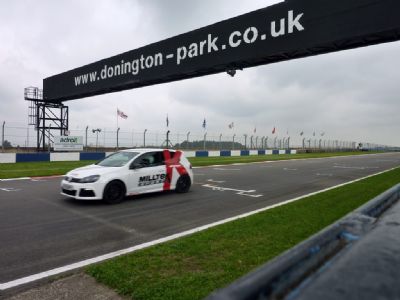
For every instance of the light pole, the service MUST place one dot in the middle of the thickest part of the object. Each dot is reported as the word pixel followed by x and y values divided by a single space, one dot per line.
pixel 187 140
pixel 87 127
pixel 97 130
pixel 256 142
pixel 245 141
pixel 220 142
pixel 275 142
pixel 288 142
pixel 266 142
pixel 2 136
pixel 251 142
pixel 233 142
pixel 144 138
pixel 204 141
pixel 118 137
pixel 262 142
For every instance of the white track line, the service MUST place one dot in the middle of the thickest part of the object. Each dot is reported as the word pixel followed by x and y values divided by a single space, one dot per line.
pixel 15 179
pixel 84 263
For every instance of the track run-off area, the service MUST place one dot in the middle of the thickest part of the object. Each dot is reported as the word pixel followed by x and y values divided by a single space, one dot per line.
pixel 40 230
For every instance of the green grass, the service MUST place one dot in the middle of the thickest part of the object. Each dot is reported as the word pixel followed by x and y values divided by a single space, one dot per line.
pixel 34 169
pixel 194 266
pixel 31 169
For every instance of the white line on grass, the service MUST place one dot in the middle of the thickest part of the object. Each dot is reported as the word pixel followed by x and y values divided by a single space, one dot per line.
pixel 84 263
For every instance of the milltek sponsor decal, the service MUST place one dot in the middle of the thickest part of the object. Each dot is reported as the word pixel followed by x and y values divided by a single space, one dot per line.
pixel 151 179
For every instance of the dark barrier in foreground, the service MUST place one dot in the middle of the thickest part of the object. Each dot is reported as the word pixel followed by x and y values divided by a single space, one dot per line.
pixel 285 275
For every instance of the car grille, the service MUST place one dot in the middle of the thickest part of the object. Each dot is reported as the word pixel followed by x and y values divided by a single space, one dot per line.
pixel 86 193
pixel 68 192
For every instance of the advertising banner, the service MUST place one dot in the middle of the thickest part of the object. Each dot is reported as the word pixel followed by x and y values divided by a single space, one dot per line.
pixel 284 31
pixel 68 143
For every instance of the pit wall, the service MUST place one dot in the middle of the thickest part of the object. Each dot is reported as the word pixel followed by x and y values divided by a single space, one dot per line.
pixel 76 156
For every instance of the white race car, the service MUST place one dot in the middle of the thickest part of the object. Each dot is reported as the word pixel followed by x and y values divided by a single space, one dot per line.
pixel 129 172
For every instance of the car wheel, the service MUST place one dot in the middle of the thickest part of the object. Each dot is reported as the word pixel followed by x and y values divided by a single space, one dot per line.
pixel 183 184
pixel 114 192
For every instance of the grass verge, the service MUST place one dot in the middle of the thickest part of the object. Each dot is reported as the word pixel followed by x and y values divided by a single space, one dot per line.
pixel 31 169
pixel 194 266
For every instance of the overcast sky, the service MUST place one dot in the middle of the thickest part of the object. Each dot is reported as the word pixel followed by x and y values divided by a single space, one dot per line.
pixel 351 95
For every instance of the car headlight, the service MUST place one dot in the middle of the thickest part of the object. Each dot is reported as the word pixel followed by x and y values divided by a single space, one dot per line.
pixel 89 179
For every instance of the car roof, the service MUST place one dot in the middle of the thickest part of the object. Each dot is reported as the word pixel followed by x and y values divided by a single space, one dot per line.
pixel 144 150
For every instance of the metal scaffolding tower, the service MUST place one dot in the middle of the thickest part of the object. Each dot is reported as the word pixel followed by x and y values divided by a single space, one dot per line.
pixel 45 117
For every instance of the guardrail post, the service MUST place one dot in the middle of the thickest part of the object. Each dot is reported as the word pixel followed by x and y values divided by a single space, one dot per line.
pixel 187 140
pixel 87 127
pixel 2 136
pixel 118 138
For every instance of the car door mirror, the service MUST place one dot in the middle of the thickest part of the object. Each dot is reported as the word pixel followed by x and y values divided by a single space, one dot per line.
pixel 135 166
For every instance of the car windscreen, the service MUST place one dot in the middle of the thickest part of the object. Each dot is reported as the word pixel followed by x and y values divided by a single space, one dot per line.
pixel 117 159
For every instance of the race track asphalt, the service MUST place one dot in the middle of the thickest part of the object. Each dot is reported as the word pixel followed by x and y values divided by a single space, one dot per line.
pixel 42 230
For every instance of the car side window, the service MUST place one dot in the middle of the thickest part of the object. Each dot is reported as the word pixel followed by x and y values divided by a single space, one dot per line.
pixel 159 158
pixel 146 160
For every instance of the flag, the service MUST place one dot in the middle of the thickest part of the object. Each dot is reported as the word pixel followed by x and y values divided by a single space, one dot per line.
pixel 167 121
pixel 231 125
pixel 204 123
pixel 121 114
pixel 273 130
pixel 301 133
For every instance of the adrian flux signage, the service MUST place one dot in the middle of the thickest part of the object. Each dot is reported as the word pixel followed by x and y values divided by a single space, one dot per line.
pixel 68 143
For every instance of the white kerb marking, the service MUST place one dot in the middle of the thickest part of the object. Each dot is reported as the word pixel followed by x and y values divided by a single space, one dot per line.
pixel 9 189
pixel 215 181
pixel 84 263
pixel 238 192
pixel 15 179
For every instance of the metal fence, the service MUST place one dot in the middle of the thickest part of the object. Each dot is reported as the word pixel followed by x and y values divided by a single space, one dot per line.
pixel 18 136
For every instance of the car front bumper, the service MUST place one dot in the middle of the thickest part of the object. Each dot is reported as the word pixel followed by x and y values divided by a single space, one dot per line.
pixel 82 191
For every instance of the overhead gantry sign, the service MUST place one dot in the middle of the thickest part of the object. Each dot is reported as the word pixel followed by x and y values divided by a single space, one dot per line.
pixel 288 30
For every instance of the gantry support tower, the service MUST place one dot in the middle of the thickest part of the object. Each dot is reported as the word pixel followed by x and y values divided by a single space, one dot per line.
pixel 45 117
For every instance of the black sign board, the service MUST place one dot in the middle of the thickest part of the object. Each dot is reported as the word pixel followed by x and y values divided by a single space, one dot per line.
pixel 288 30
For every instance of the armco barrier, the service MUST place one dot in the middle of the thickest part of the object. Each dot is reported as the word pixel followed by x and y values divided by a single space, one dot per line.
pixel 225 153
pixel 201 153
pixel 285 276
pixel 75 156
pixel 30 157
pixel 8 158
pixel 92 155
pixel 244 153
